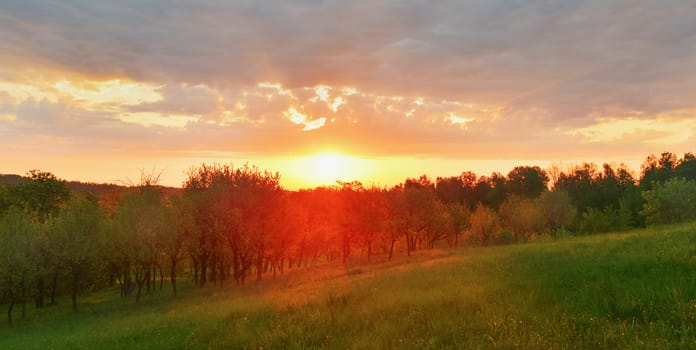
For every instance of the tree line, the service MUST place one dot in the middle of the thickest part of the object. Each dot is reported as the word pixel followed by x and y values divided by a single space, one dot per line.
pixel 230 225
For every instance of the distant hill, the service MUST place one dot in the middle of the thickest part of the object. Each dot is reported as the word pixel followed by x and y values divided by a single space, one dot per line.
pixel 11 179
pixel 76 186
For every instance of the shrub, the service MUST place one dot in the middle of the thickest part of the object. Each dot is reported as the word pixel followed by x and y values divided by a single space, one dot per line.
pixel 521 217
pixel 671 201
pixel 505 237
pixel 605 220
pixel 557 209
pixel 484 224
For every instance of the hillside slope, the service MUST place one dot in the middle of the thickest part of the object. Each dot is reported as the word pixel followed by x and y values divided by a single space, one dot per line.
pixel 625 290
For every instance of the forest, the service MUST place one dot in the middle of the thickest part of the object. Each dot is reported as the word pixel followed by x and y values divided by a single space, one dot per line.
pixel 231 225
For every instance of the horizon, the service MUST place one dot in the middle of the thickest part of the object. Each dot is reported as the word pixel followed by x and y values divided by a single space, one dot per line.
pixel 320 91
pixel 297 183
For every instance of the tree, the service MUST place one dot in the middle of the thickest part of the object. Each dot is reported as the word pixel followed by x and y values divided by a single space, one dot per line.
pixel 235 206
pixel 557 209
pixel 485 225
pixel 75 241
pixel 139 220
pixel 460 215
pixel 498 190
pixel 657 170
pixel 527 181
pixel 207 188
pixel 450 190
pixel 18 234
pixel 172 241
pixel 420 216
pixel 687 167
pixel 41 196
pixel 671 201
pixel 371 216
pixel 521 216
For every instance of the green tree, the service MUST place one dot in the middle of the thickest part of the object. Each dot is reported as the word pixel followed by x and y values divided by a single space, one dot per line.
pixel 139 220
pixel 460 215
pixel 420 216
pixel 42 196
pixel 671 201
pixel 18 235
pixel 527 181
pixel 485 225
pixel 76 241
pixel 687 167
pixel 172 241
pixel 521 216
pixel 557 209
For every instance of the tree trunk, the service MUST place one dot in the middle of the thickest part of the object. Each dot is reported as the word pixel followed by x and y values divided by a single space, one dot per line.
pixel 173 277
pixel 195 271
pixel 9 309
pixel 224 272
pixel 203 275
pixel 301 252
pixel 391 249
pixel 24 300
pixel 161 278
pixel 259 265
pixel 74 293
pixel 147 277
pixel 137 295
pixel 54 282
pixel 346 249
pixel 40 293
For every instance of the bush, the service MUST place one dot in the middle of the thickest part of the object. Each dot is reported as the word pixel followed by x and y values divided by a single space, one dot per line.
pixel 557 209
pixel 596 221
pixel 605 220
pixel 505 237
pixel 521 217
pixel 670 202
pixel 484 224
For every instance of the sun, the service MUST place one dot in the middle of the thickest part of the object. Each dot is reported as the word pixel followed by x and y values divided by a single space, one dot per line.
pixel 328 167
pixel 324 168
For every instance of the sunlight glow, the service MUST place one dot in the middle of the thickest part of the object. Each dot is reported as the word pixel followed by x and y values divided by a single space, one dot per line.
pixel 658 131
pixel 322 92
pixel 457 120
pixel 337 102
pixel 8 118
pixel 327 167
pixel 22 92
pixel 110 92
pixel 296 117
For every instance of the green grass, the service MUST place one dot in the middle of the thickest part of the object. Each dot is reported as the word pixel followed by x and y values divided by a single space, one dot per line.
pixel 626 290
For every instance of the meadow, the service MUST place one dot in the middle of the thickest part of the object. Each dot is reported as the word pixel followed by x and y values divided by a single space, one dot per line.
pixel 634 289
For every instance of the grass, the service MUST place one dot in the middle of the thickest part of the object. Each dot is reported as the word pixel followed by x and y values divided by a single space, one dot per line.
pixel 625 290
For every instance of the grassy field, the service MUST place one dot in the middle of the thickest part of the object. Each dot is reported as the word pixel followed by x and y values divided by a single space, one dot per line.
pixel 624 290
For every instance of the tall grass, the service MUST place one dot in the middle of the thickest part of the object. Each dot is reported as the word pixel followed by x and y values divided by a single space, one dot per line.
pixel 627 290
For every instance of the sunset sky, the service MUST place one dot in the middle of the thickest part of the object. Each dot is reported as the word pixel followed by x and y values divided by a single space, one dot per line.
pixel 370 90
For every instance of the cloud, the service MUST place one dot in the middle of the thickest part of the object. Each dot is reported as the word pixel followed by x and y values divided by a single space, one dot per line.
pixel 447 78
pixel 181 99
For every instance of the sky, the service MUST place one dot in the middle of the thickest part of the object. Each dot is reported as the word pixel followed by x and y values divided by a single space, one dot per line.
pixel 375 91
